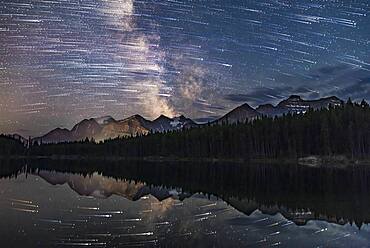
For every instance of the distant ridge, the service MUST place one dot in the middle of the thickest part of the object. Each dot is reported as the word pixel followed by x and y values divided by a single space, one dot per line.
pixel 242 113
pixel 295 104
pixel 107 127
pixel 104 128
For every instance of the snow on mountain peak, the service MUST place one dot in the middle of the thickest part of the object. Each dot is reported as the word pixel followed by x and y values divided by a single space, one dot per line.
pixel 104 120
pixel 175 123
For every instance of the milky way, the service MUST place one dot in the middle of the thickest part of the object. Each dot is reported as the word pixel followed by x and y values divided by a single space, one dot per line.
pixel 65 60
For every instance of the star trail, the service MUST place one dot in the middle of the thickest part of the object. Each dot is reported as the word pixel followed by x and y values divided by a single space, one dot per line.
pixel 65 60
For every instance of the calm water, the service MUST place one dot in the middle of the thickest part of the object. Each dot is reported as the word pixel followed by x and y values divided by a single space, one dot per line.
pixel 131 204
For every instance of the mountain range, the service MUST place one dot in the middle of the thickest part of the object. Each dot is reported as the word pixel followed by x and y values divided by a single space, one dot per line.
pixel 104 128
pixel 102 187
pixel 99 186
pixel 107 127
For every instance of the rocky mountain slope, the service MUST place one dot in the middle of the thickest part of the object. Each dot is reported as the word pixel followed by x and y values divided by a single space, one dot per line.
pixel 106 127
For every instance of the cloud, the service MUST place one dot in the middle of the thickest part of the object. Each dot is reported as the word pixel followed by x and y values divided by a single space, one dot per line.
pixel 357 91
pixel 261 95
pixel 332 69
pixel 338 80
pixel 344 83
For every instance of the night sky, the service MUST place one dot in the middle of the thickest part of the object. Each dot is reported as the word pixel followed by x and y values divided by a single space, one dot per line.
pixel 65 60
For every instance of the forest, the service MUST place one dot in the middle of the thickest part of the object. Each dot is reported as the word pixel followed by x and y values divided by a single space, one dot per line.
pixel 288 186
pixel 341 130
pixel 11 146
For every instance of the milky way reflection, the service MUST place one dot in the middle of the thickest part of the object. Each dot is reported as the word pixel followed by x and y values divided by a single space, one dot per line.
pixel 46 208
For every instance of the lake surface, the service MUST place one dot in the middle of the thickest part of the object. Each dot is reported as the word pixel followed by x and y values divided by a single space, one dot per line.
pixel 142 204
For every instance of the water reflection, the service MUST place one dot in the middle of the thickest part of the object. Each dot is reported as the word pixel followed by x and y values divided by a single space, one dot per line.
pixel 102 204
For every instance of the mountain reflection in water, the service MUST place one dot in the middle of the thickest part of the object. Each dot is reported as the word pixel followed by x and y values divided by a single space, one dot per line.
pixel 181 204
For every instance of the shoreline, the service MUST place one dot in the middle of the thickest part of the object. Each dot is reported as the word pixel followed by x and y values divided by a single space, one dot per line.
pixel 309 161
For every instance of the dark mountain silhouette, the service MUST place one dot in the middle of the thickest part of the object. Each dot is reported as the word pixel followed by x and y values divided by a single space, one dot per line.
pixel 239 114
pixel 57 135
pixel 163 123
pixel 295 104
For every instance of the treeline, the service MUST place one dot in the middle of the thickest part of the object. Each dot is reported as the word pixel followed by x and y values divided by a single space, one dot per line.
pixel 10 146
pixel 342 130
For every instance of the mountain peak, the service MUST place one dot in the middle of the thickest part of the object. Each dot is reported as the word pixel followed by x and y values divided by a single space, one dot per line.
pixel 245 106
pixel 162 117
pixel 136 117
pixel 182 118
pixel 239 114
pixel 86 122
pixel 266 109
pixel 267 105
pixel 295 97
pixel 58 129
pixel 104 119
pixel 334 98
pixel 164 123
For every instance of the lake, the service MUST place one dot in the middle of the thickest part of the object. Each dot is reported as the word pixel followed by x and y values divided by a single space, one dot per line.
pixel 45 203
